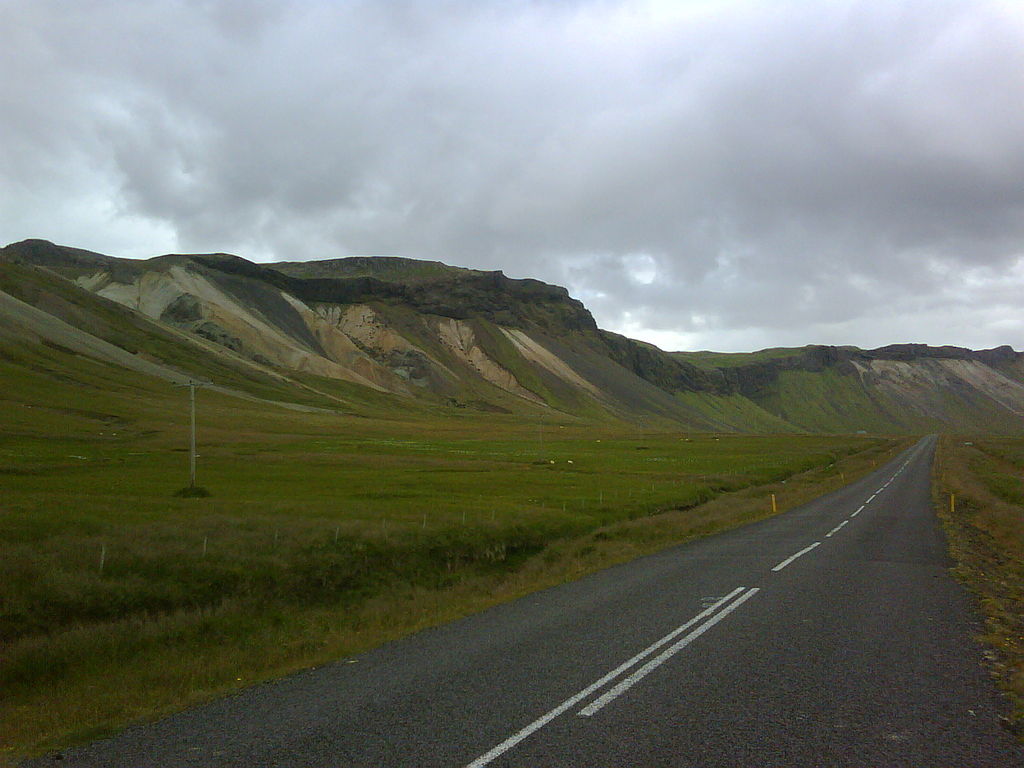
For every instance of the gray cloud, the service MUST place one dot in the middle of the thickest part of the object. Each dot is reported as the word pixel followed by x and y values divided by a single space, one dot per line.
pixel 704 174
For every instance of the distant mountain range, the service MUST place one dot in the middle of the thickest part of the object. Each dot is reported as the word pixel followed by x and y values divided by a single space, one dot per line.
pixel 337 332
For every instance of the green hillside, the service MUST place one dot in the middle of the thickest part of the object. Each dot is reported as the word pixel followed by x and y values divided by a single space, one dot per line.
pixel 373 332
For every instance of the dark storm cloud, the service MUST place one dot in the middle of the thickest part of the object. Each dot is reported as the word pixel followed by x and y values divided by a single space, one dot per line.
pixel 725 175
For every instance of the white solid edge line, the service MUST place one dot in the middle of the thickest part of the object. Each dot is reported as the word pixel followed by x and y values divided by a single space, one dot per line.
pixel 572 701
pixel 791 558
pixel 613 693
pixel 836 529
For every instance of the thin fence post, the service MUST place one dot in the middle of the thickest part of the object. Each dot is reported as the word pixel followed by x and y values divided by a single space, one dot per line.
pixel 192 437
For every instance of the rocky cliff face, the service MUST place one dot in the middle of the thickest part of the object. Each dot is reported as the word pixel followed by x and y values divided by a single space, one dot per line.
pixel 448 292
pixel 757 377
pixel 661 369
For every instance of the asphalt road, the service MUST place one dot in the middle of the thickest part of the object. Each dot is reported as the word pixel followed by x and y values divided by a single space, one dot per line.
pixel 832 635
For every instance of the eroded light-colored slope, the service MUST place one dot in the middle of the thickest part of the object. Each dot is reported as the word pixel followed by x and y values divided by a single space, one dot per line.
pixel 1005 391
pixel 909 380
pixel 459 338
pixel 355 342
pixel 22 321
pixel 340 348
pixel 154 292
pixel 536 353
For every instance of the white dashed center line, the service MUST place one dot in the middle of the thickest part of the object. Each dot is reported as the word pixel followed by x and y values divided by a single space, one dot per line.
pixel 657 661
pixel 791 558
pixel 572 701
pixel 836 529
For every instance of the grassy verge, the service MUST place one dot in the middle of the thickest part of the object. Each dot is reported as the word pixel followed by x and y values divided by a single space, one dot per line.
pixel 985 527
pixel 121 603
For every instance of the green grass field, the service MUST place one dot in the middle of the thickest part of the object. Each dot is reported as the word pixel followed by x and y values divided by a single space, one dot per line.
pixel 324 533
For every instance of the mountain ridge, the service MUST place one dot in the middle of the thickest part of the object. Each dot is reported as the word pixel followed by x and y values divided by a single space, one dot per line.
pixel 472 338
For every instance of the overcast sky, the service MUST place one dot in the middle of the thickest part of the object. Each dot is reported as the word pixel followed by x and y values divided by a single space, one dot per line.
pixel 703 175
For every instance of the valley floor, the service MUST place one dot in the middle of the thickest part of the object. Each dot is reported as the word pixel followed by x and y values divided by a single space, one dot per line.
pixel 323 535
pixel 833 634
